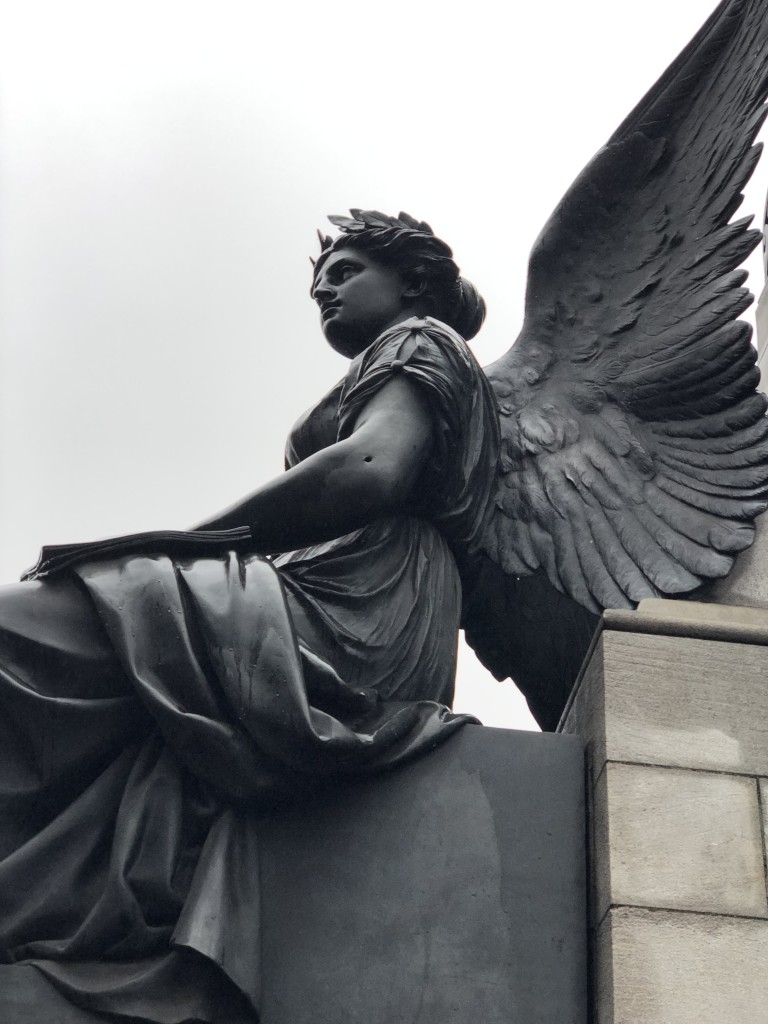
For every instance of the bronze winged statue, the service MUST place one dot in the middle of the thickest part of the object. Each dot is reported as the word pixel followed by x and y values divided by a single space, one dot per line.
pixel 162 690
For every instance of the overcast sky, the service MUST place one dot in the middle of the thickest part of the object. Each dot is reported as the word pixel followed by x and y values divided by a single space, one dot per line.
pixel 164 167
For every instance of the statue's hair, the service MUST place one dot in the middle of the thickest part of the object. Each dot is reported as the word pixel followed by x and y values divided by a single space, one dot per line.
pixel 412 248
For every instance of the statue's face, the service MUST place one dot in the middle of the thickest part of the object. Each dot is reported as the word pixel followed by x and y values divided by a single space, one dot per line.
pixel 358 299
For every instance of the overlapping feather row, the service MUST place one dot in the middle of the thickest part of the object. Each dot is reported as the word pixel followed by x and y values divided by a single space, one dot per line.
pixel 635 448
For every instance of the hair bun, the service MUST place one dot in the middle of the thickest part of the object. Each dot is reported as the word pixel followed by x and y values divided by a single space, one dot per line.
pixel 468 313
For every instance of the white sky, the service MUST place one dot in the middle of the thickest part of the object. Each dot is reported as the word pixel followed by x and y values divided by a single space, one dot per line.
pixel 164 167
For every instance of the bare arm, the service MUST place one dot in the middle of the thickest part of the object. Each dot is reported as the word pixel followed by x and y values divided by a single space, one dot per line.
pixel 345 486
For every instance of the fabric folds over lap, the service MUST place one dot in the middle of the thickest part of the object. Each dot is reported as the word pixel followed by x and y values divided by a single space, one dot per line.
pixel 212 653
pixel 353 601
pixel 218 710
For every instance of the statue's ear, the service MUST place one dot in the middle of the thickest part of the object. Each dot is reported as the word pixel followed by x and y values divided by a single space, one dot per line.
pixel 414 287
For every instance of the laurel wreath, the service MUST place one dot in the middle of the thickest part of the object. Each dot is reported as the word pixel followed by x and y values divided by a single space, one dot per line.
pixel 371 220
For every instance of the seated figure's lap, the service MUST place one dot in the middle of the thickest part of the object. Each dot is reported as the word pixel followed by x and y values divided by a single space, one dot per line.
pixel 50 635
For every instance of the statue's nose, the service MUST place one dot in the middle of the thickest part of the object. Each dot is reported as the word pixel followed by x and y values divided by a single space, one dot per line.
pixel 322 291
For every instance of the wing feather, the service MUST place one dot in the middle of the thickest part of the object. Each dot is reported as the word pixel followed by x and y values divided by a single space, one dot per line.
pixel 725 470
pixel 708 499
pixel 633 585
pixel 747 439
pixel 640 543
pixel 634 444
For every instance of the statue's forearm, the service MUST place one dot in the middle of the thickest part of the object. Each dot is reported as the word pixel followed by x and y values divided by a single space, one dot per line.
pixel 330 494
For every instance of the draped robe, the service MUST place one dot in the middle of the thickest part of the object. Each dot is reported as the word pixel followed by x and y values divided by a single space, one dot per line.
pixel 155 706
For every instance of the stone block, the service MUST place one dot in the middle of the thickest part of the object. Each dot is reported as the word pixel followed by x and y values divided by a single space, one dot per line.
pixel 763 793
pixel 664 967
pixel 584 715
pixel 451 890
pixel 673 700
pixel 676 839
pixel 700 619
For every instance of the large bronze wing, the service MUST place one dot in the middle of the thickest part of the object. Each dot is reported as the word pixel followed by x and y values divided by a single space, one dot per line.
pixel 634 445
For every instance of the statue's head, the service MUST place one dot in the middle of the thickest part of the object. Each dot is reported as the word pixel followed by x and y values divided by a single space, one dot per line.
pixel 381 270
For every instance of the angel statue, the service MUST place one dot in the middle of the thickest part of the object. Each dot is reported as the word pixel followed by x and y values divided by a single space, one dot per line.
pixel 162 690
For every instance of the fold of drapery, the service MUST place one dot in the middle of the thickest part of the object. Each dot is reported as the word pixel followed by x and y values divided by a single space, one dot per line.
pixel 136 765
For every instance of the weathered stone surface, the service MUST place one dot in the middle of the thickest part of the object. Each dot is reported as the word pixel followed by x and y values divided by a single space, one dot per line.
pixel 678 839
pixel 664 967
pixel 675 725
pixel 452 890
pixel 675 701
pixel 763 794
pixel 701 613
pixel 699 619
pixel 584 716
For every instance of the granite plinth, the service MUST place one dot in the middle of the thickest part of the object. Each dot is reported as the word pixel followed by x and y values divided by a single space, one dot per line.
pixel 672 707
pixel 452 890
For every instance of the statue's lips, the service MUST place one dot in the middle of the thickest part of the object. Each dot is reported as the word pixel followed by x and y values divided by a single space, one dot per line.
pixel 326 312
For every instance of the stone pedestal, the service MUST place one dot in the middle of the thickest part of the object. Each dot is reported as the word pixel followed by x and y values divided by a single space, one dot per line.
pixel 452 890
pixel 673 707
